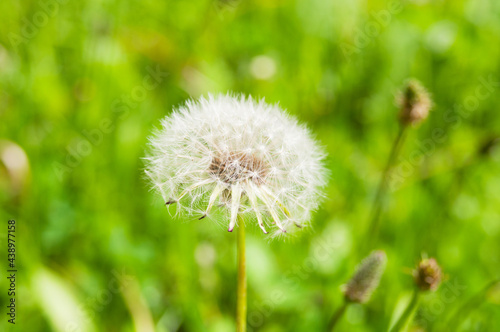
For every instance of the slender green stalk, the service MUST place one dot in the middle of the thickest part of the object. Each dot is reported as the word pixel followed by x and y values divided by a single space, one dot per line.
pixel 374 225
pixel 337 316
pixel 408 313
pixel 241 306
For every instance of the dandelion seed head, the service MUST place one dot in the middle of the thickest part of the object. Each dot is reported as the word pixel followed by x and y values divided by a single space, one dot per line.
pixel 414 103
pixel 238 156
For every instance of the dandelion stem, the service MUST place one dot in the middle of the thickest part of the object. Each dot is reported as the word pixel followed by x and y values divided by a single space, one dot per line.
pixel 337 316
pixel 408 313
pixel 241 306
pixel 374 225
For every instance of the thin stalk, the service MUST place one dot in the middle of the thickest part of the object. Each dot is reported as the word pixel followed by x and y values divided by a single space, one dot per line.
pixel 408 313
pixel 374 225
pixel 337 316
pixel 241 305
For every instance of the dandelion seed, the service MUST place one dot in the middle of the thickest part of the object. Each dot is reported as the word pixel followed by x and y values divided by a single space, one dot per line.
pixel 366 278
pixel 240 156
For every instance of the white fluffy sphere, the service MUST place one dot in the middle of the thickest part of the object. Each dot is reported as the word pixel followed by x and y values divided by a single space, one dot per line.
pixel 243 157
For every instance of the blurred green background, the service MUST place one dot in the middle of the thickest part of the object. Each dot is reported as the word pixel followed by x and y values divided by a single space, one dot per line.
pixel 82 84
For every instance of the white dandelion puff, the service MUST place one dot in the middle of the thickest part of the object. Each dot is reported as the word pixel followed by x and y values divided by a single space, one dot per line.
pixel 240 156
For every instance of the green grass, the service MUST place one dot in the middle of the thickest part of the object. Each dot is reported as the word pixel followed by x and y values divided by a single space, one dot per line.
pixel 83 221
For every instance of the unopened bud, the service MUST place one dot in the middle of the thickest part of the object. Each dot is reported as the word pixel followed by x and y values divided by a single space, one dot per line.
pixel 428 274
pixel 366 278
pixel 414 103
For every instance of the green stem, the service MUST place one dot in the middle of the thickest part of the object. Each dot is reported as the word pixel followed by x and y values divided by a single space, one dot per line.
pixel 408 313
pixel 241 306
pixel 337 316
pixel 374 225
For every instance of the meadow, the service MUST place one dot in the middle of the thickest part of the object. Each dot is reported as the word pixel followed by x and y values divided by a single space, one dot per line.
pixel 83 84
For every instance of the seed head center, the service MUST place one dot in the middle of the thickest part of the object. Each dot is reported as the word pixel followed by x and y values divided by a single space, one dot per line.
pixel 238 166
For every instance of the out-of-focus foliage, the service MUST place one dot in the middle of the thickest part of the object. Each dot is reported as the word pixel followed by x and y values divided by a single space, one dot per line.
pixel 82 84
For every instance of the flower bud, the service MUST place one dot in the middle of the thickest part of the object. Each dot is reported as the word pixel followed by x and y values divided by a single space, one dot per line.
pixel 489 146
pixel 414 103
pixel 366 278
pixel 428 275
pixel 238 158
